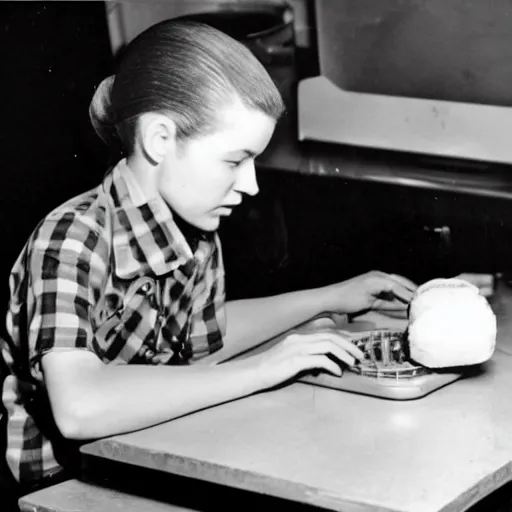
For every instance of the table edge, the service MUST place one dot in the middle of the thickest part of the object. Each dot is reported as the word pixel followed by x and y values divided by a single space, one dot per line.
pixel 115 450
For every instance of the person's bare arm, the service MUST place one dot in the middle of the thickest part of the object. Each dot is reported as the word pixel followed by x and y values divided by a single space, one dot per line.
pixel 253 321
pixel 90 399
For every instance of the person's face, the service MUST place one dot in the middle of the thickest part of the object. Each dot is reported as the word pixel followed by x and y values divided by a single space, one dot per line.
pixel 208 176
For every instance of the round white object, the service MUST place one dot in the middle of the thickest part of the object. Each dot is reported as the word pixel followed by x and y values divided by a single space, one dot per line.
pixel 450 324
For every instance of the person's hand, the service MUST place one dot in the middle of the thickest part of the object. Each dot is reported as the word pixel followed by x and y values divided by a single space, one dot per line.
pixel 386 293
pixel 325 349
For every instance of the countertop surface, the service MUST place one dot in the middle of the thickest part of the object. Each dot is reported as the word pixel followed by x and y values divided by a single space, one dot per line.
pixel 344 451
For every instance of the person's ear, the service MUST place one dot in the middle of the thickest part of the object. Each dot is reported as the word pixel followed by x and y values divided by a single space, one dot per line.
pixel 157 136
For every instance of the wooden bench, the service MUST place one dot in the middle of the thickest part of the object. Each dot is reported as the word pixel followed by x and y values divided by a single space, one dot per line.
pixel 77 496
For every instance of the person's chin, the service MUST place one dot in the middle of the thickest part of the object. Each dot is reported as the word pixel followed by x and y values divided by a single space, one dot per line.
pixel 210 223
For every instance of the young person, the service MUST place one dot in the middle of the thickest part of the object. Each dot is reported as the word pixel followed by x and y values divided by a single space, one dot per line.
pixel 118 292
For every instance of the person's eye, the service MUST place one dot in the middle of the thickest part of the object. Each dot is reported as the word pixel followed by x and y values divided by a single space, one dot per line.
pixel 235 163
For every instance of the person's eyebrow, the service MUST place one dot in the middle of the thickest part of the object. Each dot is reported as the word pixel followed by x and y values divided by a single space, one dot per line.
pixel 245 152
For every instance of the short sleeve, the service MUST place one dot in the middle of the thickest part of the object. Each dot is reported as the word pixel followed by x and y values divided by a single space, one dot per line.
pixel 63 268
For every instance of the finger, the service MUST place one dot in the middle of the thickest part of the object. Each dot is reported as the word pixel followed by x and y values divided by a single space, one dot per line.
pixel 322 343
pixel 403 288
pixel 328 347
pixel 400 293
pixel 313 362
pixel 394 314
pixel 340 319
pixel 345 341
pixel 389 305
pixel 387 288
pixel 406 283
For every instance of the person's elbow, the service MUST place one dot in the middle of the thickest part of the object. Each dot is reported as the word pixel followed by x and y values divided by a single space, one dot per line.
pixel 77 419
pixel 73 382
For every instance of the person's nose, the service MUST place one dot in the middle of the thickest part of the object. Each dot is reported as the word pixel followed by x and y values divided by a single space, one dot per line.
pixel 247 182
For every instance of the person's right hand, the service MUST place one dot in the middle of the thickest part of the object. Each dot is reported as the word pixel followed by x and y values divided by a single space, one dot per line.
pixel 326 349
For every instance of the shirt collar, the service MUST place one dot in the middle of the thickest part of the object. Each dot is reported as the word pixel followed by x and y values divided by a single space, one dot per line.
pixel 145 237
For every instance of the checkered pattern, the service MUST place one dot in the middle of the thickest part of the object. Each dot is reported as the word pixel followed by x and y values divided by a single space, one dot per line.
pixel 104 274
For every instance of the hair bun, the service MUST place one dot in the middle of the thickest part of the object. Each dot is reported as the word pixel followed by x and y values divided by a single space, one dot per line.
pixel 100 112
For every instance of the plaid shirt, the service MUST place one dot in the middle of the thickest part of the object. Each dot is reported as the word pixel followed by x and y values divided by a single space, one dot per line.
pixel 111 273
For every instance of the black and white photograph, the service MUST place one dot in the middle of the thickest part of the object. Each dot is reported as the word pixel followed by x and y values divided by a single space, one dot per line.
pixel 256 254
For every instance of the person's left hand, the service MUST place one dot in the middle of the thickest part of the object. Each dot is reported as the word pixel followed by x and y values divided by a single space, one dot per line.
pixel 386 293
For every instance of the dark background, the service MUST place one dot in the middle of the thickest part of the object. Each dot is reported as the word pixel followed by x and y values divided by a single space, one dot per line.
pixel 53 56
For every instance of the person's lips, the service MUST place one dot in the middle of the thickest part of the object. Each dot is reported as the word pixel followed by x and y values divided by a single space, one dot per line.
pixel 230 206
pixel 226 209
